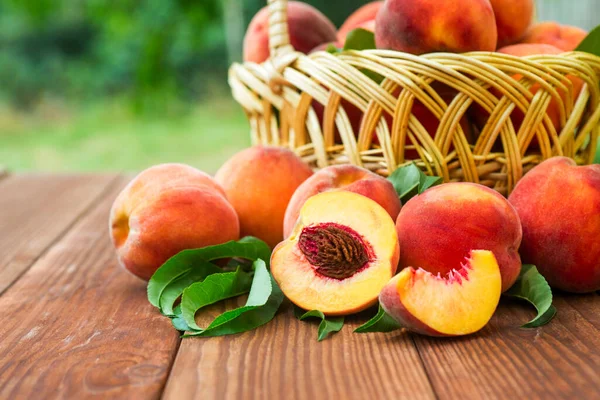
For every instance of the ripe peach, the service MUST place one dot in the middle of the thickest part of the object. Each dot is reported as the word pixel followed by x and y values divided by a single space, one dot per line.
pixel 364 18
pixel 165 209
pixel 565 37
pixel 460 303
pixel 343 177
pixel 513 19
pixel 341 253
pixel 259 183
pixel 439 227
pixel 307 28
pixel 427 26
pixel 560 235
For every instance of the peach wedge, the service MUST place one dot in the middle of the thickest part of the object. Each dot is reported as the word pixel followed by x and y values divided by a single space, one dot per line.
pixel 460 303
pixel 341 253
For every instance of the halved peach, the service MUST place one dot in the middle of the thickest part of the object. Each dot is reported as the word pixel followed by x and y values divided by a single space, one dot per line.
pixel 460 303
pixel 341 253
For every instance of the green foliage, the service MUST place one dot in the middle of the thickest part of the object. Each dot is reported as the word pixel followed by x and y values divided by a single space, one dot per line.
pixel 410 181
pixel 591 44
pixel 381 322
pixel 191 275
pixel 196 261
pixel 216 287
pixel 326 326
pixel 264 300
pixel 147 48
pixel 360 39
pixel 532 287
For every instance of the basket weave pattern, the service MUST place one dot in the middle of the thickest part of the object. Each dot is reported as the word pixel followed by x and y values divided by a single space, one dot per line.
pixel 279 98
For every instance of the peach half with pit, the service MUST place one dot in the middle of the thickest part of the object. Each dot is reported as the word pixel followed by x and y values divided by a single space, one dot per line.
pixel 459 303
pixel 341 253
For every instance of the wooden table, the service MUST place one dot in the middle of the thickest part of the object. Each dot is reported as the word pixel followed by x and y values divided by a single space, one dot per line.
pixel 75 325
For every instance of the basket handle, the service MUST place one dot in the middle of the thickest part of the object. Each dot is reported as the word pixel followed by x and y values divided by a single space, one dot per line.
pixel 279 37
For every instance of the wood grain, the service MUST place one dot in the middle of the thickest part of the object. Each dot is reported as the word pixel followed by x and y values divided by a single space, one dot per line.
pixel 76 325
pixel 35 210
pixel 503 361
pixel 283 360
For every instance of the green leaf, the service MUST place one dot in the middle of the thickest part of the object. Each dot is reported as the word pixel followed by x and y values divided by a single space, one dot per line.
pixel 263 302
pixel 532 286
pixel 597 158
pixel 328 324
pixel 591 43
pixel 178 321
pixel 185 261
pixel 382 322
pixel 410 181
pixel 215 288
pixel 428 181
pixel 360 39
pixel 174 289
pixel 331 49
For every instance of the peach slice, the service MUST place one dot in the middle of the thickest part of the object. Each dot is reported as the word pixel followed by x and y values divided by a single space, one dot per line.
pixel 341 253
pixel 460 303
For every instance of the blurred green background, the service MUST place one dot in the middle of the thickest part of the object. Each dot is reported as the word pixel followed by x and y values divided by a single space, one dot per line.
pixel 95 85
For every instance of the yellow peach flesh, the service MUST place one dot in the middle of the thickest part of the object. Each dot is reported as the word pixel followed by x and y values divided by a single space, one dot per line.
pixel 308 289
pixel 458 304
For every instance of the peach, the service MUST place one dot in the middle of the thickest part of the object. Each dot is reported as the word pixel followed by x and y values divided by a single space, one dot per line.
pixel 427 26
pixel 439 227
pixel 460 303
pixel 343 177
pixel 259 183
pixel 553 110
pixel 560 235
pixel 164 210
pixel 513 19
pixel 565 37
pixel 341 253
pixel 364 18
pixel 307 28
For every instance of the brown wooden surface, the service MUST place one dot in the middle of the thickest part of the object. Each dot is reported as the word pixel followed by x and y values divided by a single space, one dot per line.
pixel 75 325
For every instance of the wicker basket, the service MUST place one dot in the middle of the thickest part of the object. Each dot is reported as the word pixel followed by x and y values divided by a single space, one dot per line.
pixel 279 98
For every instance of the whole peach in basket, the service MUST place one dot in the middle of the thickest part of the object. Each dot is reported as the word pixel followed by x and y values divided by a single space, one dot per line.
pixel 513 19
pixel 565 37
pixel 559 206
pixel 165 209
pixel 259 183
pixel 427 26
pixel 307 28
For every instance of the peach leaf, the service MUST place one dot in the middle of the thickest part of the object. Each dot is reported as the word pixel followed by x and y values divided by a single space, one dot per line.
pixel 532 286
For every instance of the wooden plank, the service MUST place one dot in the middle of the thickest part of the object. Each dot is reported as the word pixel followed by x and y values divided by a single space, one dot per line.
pixel 283 360
pixel 503 361
pixel 76 325
pixel 35 210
